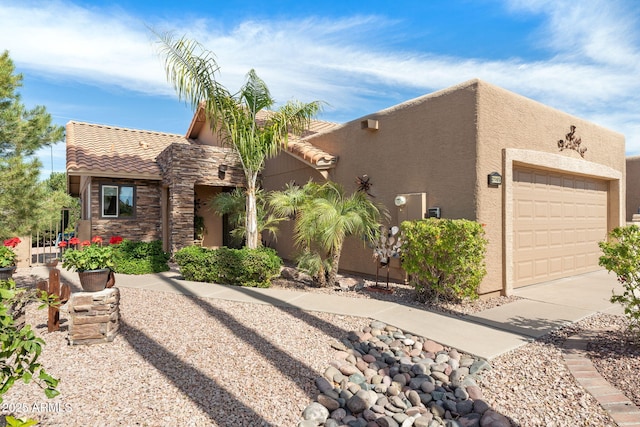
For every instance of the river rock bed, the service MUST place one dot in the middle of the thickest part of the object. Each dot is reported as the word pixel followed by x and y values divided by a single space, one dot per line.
pixel 383 377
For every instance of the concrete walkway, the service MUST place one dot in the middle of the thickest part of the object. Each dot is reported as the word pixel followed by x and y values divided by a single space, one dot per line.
pixel 487 334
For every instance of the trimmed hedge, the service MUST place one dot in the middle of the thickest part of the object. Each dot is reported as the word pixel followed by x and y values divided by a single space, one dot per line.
pixel 445 257
pixel 244 267
pixel 140 257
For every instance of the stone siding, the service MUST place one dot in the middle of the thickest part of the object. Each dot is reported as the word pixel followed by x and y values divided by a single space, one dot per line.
pixel 184 166
pixel 94 316
pixel 146 225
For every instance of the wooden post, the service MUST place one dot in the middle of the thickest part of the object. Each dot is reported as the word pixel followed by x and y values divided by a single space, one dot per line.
pixel 53 324
pixel 62 294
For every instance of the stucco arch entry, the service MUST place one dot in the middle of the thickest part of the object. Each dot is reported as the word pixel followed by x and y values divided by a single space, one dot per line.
pixel 514 158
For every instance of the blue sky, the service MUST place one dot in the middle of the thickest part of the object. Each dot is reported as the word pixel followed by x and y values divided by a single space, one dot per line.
pixel 96 61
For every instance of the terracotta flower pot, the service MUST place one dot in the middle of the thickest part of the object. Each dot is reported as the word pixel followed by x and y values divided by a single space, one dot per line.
pixel 6 273
pixel 94 280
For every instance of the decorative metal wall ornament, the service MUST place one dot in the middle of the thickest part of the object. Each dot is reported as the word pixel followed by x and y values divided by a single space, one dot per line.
pixel 572 143
pixel 364 185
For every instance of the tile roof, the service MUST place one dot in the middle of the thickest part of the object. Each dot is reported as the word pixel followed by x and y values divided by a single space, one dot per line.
pixel 302 149
pixel 96 149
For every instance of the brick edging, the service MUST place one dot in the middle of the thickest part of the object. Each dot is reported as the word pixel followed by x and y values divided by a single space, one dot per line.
pixel 612 400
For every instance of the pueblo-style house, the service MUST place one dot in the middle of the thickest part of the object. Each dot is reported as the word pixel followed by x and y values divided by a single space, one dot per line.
pixel 547 185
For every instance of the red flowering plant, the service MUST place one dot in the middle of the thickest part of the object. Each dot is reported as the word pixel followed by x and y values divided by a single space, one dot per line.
pixel 7 255
pixel 88 255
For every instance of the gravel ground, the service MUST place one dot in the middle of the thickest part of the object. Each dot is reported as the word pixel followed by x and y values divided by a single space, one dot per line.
pixel 616 355
pixel 188 361
pixel 533 387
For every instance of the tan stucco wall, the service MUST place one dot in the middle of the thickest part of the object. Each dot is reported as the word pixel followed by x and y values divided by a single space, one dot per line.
pixel 445 144
pixel 507 121
pixel 424 145
pixel 633 187
pixel 212 221
pixel 279 172
pixel 203 134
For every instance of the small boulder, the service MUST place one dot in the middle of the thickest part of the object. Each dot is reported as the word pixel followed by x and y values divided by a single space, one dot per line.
pixel 315 412
pixel 493 419
pixel 289 273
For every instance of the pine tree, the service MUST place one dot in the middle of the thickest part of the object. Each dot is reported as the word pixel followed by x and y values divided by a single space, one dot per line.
pixel 22 133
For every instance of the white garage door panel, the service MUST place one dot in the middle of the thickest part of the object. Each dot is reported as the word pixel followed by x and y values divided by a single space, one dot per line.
pixel 558 221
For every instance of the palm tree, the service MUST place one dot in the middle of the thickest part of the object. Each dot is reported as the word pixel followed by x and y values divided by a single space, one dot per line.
pixel 233 205
pixel 192 70
pixel 324 217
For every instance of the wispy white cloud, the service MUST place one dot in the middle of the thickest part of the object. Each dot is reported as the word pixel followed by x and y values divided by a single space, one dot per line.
pixel 591 71
pixel 602 31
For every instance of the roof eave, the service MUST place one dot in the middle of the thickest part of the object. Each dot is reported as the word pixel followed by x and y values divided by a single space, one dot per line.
pixel 320 165
pixel 113 174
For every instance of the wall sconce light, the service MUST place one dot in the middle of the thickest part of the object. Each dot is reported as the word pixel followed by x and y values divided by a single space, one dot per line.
pixel 494 179
pixel 222 171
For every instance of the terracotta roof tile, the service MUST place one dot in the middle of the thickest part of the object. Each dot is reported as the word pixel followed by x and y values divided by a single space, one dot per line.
pixel 108 149
pixel 305 150
pixel 308 152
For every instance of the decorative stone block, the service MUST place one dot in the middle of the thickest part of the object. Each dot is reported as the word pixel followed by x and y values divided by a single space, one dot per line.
pixel 94 316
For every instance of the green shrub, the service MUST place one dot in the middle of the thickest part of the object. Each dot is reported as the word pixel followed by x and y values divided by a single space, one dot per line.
pixel 20 348
pixel 622 256
pixel 197 263
pixel 140 257
pixel 258 267
pixel 444 257
pixel 245 267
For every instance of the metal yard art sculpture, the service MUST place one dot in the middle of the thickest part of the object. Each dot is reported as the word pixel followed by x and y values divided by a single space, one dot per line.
pixel 388 246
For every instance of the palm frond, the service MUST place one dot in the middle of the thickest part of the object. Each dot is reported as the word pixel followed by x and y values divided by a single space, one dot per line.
pixel 287 202
pixel 255 94
pixel 189 67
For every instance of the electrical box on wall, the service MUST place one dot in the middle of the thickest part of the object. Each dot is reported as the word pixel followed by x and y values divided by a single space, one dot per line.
pixel 410 206
pixel 434 213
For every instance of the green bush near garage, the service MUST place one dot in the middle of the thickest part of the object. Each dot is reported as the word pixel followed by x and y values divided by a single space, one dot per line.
pixel 140 257
pixel 242 267
pixel 621 254
pixel 445 258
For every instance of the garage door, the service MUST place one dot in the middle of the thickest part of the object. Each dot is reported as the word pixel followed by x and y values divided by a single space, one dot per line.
pixel 558 221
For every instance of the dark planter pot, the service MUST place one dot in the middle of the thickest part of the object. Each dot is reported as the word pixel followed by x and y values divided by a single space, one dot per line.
pixel 6 273
pixel 94 280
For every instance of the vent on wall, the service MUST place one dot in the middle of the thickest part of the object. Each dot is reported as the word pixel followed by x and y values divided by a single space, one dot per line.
pixel 369 124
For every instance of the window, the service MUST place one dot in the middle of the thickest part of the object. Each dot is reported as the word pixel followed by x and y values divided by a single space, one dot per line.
pixel 118 201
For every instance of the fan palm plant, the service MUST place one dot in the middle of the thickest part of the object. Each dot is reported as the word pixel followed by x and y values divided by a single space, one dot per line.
pixel 192 70
pixel 324 217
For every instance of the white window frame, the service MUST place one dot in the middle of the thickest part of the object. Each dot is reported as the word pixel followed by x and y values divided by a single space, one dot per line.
pixel 102 213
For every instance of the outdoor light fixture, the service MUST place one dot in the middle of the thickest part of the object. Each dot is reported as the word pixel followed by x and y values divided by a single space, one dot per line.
pixel 222 171
pixel 494 179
